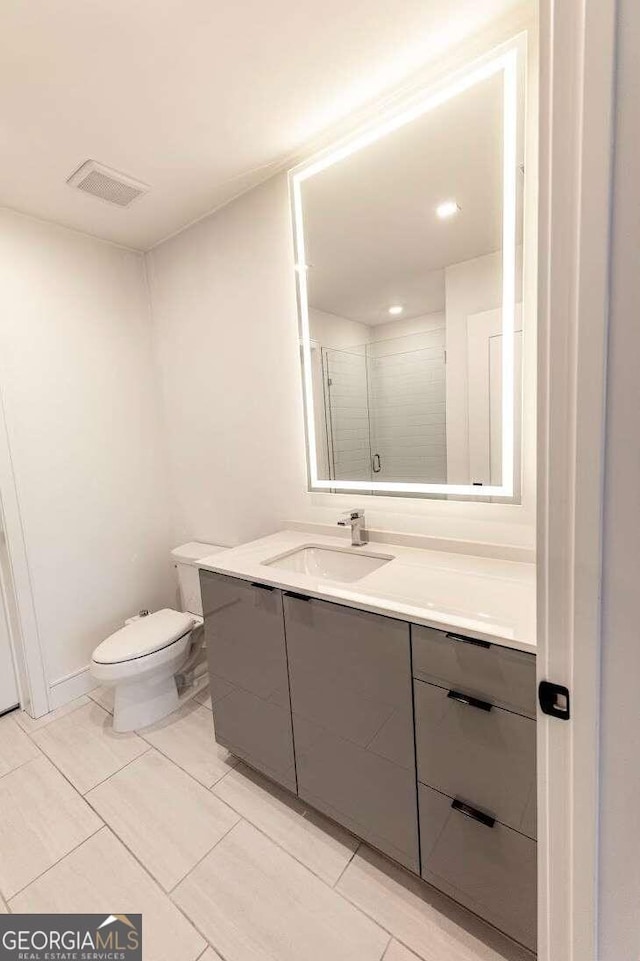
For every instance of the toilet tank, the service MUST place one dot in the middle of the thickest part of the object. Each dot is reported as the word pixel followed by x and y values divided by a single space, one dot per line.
pixel 185 559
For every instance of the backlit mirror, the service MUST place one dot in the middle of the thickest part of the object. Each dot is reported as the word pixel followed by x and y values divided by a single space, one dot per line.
pixel 409 259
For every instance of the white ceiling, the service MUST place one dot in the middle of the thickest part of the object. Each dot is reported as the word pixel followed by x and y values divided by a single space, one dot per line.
pixel 197 98
pixel 372 236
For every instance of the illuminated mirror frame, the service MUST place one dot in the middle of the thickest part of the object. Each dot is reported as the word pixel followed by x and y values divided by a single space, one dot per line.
pixel 506 63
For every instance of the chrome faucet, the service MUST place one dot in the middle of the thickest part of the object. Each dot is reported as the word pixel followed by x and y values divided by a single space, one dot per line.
pixel 355 520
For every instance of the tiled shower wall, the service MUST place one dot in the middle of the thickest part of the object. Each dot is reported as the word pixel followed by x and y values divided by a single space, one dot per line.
pixel 388 400
pixel 407 407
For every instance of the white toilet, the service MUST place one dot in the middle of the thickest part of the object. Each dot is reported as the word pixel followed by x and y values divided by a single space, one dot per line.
pixel 141 660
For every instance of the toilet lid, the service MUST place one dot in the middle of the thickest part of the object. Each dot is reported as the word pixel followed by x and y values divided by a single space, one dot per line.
pixel 145 636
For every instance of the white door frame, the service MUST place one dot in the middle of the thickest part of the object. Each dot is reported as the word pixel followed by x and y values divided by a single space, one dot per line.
pixel 576 129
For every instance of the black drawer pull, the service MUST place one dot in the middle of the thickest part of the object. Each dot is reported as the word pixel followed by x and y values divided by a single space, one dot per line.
pixel 471 701
pixel 263 587
pixel 472 813
pixel 469 640
pixel 296 597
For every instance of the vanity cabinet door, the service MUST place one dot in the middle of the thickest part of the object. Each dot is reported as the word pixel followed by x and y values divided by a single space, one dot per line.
pixel 351 697
pixel 244 632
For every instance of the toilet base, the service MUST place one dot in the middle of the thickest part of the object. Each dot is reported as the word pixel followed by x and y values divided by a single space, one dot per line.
pixel 139 703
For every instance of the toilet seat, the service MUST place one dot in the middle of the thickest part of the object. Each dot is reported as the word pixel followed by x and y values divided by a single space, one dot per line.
pixel 144 637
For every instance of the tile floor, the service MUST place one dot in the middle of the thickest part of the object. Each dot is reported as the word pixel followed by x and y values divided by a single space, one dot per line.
pixel 221 863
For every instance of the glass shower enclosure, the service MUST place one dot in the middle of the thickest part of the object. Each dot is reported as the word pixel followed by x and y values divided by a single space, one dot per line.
pixel 385 409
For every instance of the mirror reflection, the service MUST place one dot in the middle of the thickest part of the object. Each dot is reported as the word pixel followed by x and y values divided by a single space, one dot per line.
pixel 404 269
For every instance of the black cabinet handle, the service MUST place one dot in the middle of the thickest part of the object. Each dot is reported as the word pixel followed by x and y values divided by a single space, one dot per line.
pixel 470 701
pixel 263 587
pixel 296 597
pixel 463 639
pixel 472 813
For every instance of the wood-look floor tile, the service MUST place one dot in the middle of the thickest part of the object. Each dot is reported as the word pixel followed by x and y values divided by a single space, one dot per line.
pixel 215 690
pixel 204 697
pixel 31 724
pixel 324 847
pixel 187 738
pixel 102 876
pixel 164 817
pixel 86 748
pixel 419 916
pixel 398 952
pixel 42 818
pixel 104 697
pixel 256 903
pixel 15 747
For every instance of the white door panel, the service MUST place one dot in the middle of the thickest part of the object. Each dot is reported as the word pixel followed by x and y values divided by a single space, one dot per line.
pixel 484 359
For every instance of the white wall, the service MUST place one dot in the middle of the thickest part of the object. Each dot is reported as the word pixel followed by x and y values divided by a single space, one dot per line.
pixel 333 331
pixel 224 309
pixel 619 881
pixel 85 439
pixel 404 328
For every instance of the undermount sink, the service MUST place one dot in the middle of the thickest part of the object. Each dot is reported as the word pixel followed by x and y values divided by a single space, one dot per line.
pixel 334 564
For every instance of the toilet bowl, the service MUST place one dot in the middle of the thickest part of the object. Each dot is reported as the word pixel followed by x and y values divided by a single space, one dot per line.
pixel 141 660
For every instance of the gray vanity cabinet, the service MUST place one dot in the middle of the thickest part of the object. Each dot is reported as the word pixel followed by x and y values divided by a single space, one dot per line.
pixel 350 676
pixel 476 763
pixel 422 742
pixel 245 639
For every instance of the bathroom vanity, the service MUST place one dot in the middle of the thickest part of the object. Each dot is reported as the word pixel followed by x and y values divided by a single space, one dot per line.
pixel 399 702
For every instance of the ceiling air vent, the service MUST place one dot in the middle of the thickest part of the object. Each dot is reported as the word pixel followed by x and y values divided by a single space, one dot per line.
pixel 107 184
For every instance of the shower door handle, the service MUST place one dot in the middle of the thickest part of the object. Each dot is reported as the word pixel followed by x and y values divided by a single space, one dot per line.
pixel 376 463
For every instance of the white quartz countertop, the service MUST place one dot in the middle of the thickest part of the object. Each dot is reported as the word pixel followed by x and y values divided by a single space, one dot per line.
pixel 482 597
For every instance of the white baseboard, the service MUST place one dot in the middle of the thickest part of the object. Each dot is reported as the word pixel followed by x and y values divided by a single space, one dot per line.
pixel 68 688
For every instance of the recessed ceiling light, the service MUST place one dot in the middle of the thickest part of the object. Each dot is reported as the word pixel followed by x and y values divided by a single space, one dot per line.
pixel 396 309
pixel 447 209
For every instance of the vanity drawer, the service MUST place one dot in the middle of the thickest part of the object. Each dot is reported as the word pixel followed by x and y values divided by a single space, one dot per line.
pixel 489 869
pixel 489 672
pixel 483 756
